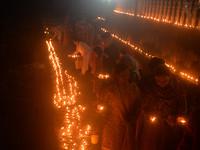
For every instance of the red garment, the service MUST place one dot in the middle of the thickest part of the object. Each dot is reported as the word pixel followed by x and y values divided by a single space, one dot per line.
pixel 93 56
pixel 191 138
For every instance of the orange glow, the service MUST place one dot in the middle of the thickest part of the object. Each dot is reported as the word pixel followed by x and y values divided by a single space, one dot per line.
pixel 102 76
pixel 68 102
pixel 149 56
pixel 152 118
pixel 155 19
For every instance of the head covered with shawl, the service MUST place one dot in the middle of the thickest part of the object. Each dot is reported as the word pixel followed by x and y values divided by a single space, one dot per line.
pixel 165 96
pixel 131 64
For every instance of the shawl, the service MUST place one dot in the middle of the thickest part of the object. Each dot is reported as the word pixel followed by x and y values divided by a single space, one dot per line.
pixel 168 104
pixel 126 98
pixel 131 64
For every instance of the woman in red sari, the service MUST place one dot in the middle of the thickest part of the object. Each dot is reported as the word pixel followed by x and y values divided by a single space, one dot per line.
pixel 121 99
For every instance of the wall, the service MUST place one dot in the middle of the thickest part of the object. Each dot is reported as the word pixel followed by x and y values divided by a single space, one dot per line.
pixel 177 45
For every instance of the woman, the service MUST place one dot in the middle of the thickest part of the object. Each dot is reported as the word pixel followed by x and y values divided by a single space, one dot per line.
pixel 121 99
pixel 164 104
pixel 84 49
pixel 133 68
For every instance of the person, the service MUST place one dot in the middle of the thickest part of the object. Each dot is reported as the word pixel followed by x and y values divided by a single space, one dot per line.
pixel 84 49
pixel 164 106
pixel 121 99
pixel 191 136
pixel 133 67
pixel 97 42
pixel 66 28
pixel 57 32
pixel 128 51
pixel 89 31
pixel 146 79
pixel 111 53
pixel 97 88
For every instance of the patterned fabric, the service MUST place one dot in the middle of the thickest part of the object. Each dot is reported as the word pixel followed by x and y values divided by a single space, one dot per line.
pixel 97 88
pixel 121 101
pixel 166 106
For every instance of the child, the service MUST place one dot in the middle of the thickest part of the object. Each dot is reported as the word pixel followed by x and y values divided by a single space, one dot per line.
pixel 99 68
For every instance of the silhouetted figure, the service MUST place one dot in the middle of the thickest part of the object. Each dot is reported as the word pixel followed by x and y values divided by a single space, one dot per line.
pixel 111 53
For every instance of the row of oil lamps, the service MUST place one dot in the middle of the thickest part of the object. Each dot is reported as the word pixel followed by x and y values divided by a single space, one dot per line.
pixel 101 18
pixel 72 134
pixel 185 75
pixel 155 19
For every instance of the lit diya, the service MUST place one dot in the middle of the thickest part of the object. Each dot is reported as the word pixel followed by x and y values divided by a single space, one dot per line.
pixel 181 120
pixel 74 56
pixel 152 118
pixel 104 76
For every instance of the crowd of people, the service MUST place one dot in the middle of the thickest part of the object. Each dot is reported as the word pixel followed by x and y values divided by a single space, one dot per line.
pixel 142 112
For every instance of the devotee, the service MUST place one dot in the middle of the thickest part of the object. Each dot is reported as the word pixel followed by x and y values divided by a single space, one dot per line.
pixel 145 80
pixel 84 49
pixel 57 32
pixel 89 32
pixel 97 88
pixel 121 100
pixel 191 138
pixel 133 67
pixel 97 42
pixel 128 51
pixel 67 27
pixel 164 105
pixel 111 53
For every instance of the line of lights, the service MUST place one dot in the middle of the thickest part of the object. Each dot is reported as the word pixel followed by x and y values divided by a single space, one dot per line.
pixel 126 13
pixel 74 56
pixel 46 32
pixel 72 134
pixel 155 19
pixel 101 18
pixel 98 18
pixel 185 75
pixel 103 76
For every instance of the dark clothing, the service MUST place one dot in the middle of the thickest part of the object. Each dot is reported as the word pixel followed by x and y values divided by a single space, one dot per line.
pixel 109 61
pixel 144 81
pixel 191 138
pixel 98 86
pixel 166 106
pixel 193 103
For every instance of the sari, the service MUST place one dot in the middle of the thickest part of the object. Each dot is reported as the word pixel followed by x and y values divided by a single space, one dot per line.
pixel 166 106
pixel 122 105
